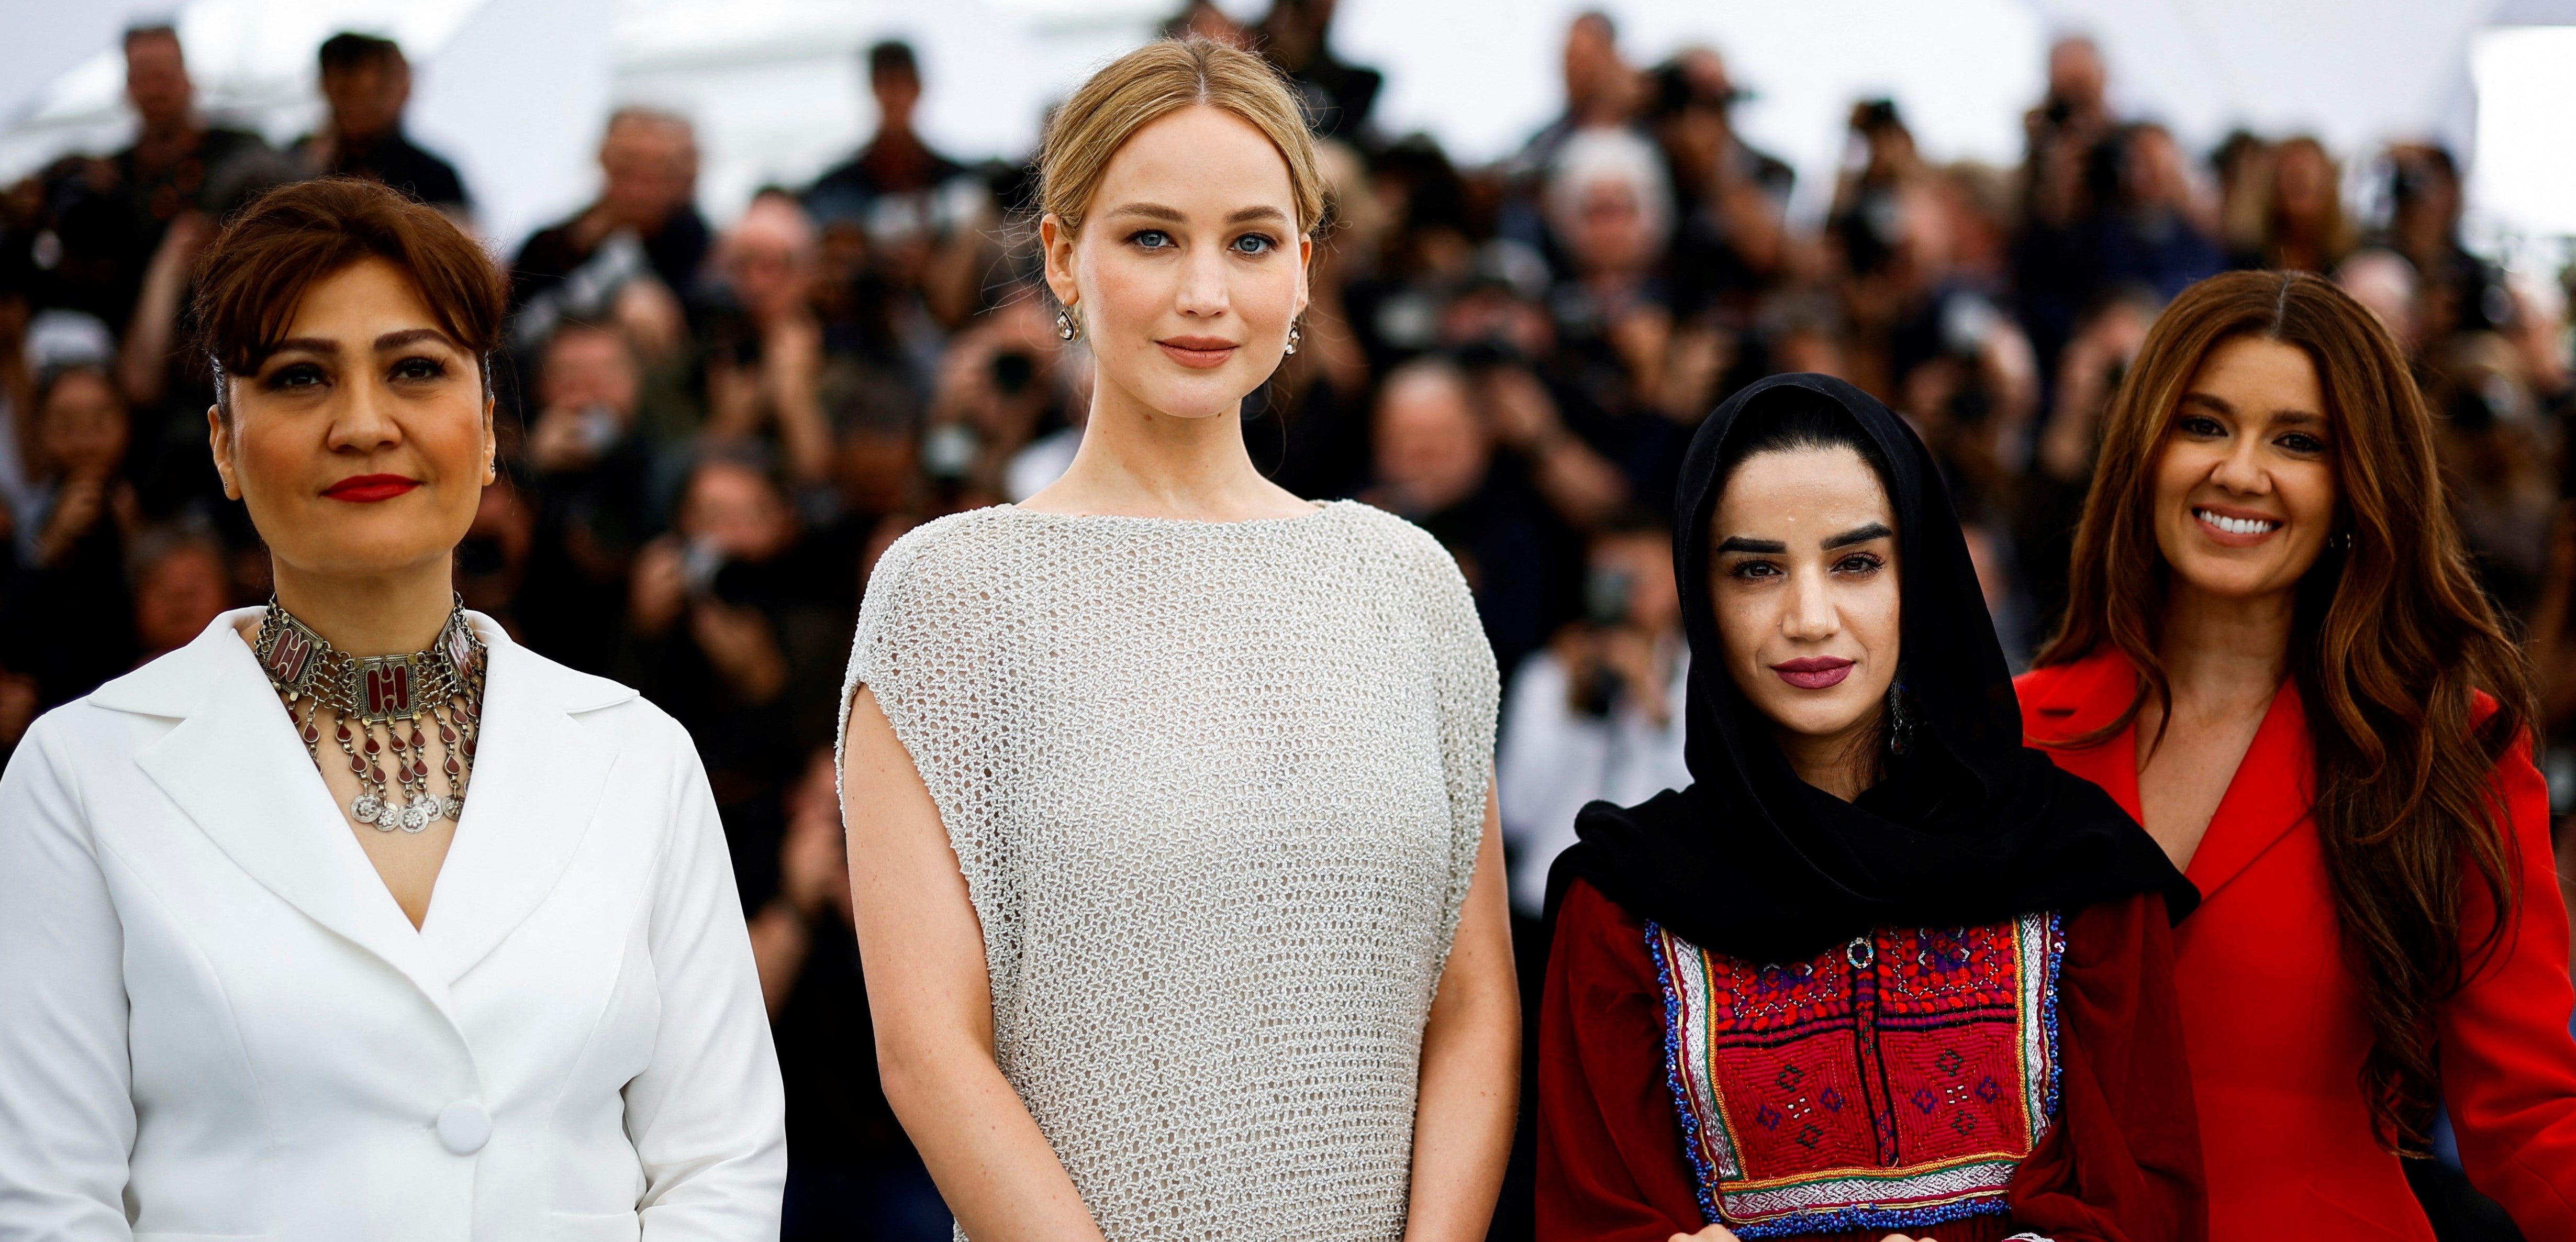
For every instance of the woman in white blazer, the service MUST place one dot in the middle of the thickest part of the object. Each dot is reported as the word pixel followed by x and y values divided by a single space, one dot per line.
pixel 256 982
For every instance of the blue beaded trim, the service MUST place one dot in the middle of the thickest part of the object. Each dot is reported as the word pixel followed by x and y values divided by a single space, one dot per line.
pixel 1703 1178
pixel 1831 1220
pixel 2048 1019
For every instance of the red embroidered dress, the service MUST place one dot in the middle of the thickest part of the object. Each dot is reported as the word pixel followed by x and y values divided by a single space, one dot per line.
pixel 1893 1083
pixel 1966 1085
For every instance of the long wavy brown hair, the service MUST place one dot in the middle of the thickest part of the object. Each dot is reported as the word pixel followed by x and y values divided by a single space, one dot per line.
pixel 2392 644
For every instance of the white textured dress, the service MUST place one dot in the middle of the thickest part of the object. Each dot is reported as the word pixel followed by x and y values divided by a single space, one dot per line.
pixel 1217 790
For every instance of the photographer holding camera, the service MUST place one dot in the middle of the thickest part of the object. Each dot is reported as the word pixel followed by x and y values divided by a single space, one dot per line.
pixel 1596 714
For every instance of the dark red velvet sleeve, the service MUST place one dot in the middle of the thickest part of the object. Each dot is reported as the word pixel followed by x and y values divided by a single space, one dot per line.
pixel 1610 1163
pixel 2122 1164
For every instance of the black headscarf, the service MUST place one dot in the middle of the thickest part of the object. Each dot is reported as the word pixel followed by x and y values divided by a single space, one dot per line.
pixel 1967 827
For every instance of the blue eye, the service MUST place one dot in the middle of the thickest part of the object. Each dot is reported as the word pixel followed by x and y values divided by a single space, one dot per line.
pixel 1255 243
pixel 1151 239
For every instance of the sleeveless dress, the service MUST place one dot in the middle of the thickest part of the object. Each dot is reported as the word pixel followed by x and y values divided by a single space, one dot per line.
pixel 1217 791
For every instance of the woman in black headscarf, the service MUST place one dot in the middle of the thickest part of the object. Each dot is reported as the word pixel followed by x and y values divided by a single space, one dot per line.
pixel 1880 971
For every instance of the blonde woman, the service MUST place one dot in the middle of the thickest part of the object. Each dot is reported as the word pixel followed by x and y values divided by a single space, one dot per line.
pixel 1170 833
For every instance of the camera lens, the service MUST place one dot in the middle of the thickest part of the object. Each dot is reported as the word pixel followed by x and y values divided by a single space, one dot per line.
pixel 1012 371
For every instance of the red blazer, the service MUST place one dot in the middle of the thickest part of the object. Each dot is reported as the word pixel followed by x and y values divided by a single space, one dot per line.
pixel 2272 1016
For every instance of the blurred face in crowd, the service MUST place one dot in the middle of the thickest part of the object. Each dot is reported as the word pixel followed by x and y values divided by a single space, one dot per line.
pixel 2157 173
pixel 1431 448
pixel 874 468
pixel 2385 282
pixel 2075 74
pixel 897 91
pixel 2428 198
pixel 367 98
pixel 1190 266
pixel 1644 561
pixel 1593 71
pixel 2303 182
pixel 156 80
pixel 589 367
pixel 83 429
pixel 769 258
pixel 1204 19
pixel 2245 484
pixel 1804 582
pixel 362 445
pixel 733 508
pixel 177 596
pixel 1612 231
pixel 1710 85
pixel 649 166
pixel 1994 570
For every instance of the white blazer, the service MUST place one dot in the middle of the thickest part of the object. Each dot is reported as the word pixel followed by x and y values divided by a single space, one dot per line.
pixel 215 1023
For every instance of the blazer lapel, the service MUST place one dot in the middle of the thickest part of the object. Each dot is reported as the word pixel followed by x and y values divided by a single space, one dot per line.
pixel 538 773
pixel 2271 793
pixel 236 768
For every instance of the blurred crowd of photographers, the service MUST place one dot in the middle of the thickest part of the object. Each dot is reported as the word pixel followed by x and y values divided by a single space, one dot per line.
pixel 711 433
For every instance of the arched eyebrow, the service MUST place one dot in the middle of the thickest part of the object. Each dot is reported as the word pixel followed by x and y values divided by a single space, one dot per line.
pixel 413 336
pixel 1757 547
pixel 389 341
pixel 2217 404
pixel 1858 534
pixel 1174 215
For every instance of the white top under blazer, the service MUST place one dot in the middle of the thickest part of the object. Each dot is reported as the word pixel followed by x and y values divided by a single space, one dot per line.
pixel 215 1022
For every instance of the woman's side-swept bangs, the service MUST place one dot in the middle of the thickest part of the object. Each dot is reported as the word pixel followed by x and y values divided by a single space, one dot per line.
pixel 251 280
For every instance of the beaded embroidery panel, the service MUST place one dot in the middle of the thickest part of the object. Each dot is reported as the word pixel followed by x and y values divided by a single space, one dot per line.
pixel 1893 1082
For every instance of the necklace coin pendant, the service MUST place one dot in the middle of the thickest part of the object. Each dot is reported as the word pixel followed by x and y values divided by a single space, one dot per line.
pixel 415 816
pixel 366 808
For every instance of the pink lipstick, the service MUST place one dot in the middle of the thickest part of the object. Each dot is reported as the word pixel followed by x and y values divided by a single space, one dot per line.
pixel 1813 672
pixel 367 489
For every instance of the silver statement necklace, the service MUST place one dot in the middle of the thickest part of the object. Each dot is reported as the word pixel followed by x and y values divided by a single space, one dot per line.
pixel 394 701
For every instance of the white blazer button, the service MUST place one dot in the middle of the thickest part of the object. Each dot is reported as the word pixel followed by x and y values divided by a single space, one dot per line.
pixel 463 1127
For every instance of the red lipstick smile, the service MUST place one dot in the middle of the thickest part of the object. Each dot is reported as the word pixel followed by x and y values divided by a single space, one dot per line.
pixel 367 489
pixel 1201 352
pixel 1814 672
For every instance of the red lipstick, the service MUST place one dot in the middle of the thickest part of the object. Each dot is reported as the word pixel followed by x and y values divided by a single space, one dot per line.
pixel 1813 672
pixel 367 489
pixel 1200 352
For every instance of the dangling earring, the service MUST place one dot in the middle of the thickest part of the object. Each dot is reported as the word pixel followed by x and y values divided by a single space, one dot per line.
pixel 1295 334
pixel 1066 326
pixel 1900 727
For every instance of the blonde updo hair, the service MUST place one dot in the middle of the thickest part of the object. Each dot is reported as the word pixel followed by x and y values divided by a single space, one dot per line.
pixel 1159 78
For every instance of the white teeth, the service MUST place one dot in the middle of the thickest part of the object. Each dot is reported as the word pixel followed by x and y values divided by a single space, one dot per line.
pixel 2235 525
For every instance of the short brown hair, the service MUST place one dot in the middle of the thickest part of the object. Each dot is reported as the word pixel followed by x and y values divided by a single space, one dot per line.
pixel 251 279
pixel 1159 78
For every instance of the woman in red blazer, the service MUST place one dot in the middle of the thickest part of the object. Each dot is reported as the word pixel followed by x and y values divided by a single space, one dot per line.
pixel 2276 657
